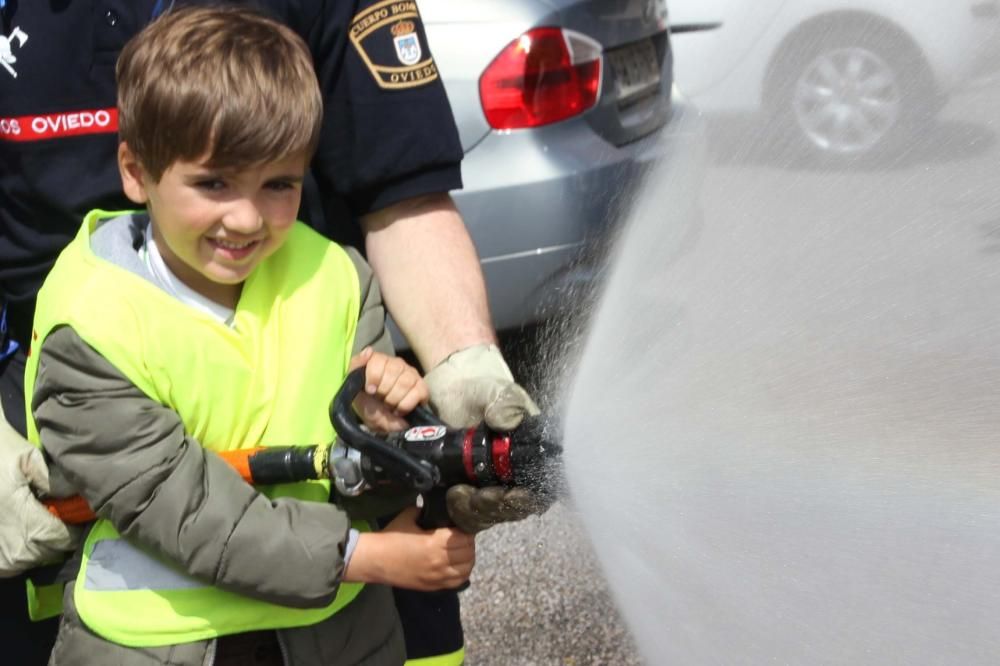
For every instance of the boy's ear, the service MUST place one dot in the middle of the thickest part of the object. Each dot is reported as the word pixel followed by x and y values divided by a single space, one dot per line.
pixel 132 174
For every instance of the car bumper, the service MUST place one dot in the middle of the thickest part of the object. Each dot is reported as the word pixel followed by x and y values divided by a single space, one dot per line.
pixel 533 201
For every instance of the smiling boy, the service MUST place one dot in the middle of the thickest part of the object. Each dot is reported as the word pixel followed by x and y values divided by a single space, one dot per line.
pixel 214 321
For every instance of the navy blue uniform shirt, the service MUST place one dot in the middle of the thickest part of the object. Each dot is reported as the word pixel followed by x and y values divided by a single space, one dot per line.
pixel 388 132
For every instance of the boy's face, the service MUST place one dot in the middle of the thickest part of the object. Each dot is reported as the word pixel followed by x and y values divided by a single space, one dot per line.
pixel 213 226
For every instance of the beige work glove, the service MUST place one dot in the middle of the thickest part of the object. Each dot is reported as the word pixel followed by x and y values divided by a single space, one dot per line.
pixel 29 534
pixel 471 386
pixel 475 385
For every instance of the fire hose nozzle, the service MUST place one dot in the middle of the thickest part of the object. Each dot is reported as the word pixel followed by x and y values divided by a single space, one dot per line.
pixel 427 458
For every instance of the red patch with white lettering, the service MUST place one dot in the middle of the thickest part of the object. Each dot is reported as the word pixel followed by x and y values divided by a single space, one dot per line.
pixel 59 125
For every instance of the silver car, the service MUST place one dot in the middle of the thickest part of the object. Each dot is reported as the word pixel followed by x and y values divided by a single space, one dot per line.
pixel 562 106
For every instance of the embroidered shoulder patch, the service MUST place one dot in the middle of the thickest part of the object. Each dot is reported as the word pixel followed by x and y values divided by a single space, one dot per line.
pixel 386 37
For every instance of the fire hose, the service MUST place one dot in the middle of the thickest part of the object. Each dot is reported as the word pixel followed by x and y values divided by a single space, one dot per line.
pixel 427 458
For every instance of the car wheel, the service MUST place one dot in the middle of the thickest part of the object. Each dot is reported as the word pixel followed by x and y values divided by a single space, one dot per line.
pixel 842 98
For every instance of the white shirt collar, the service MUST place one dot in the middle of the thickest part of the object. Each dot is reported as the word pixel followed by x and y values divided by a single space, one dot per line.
pixel 170 283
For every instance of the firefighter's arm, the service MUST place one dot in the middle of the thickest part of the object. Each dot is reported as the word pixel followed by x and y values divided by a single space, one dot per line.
pixel 433 286
pixel 430 275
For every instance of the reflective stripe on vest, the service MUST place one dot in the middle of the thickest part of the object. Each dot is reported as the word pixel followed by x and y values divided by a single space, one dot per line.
pixel 266 379
pixel 135 598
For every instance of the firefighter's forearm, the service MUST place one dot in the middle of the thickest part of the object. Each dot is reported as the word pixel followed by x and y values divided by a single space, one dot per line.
pixel 430 275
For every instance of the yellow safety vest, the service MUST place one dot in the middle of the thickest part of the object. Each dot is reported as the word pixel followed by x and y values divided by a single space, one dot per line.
pixel 267 379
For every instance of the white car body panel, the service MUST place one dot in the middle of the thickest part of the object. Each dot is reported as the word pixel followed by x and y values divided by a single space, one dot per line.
pixel 725 69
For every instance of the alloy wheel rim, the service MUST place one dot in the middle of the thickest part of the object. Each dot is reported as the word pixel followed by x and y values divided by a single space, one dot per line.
pixel 847 100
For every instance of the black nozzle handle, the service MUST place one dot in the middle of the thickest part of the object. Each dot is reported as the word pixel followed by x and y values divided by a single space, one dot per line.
pixel 418 474
pixel 422 415
pixel 434 513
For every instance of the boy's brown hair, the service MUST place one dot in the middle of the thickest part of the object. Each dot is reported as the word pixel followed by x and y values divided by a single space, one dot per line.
pixel 221 82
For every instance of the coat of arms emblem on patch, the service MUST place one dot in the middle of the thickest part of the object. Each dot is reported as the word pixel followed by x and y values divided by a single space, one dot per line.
pixel 387 38
pixel 404 36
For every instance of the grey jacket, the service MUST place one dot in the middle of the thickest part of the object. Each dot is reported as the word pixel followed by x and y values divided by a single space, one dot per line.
pixel 166 493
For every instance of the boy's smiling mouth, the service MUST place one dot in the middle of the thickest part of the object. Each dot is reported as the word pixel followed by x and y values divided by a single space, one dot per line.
pixel 235 250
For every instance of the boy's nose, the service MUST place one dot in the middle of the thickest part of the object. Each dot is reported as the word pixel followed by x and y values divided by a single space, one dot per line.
pixel 243 217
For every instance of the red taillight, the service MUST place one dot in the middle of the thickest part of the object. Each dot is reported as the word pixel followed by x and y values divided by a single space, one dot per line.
pixel 543 76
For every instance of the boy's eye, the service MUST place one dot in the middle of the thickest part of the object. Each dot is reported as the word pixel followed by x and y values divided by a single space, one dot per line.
pixel 210 184
pixel 280 185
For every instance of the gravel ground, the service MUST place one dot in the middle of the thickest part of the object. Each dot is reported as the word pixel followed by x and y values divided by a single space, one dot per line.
pixel 537 599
